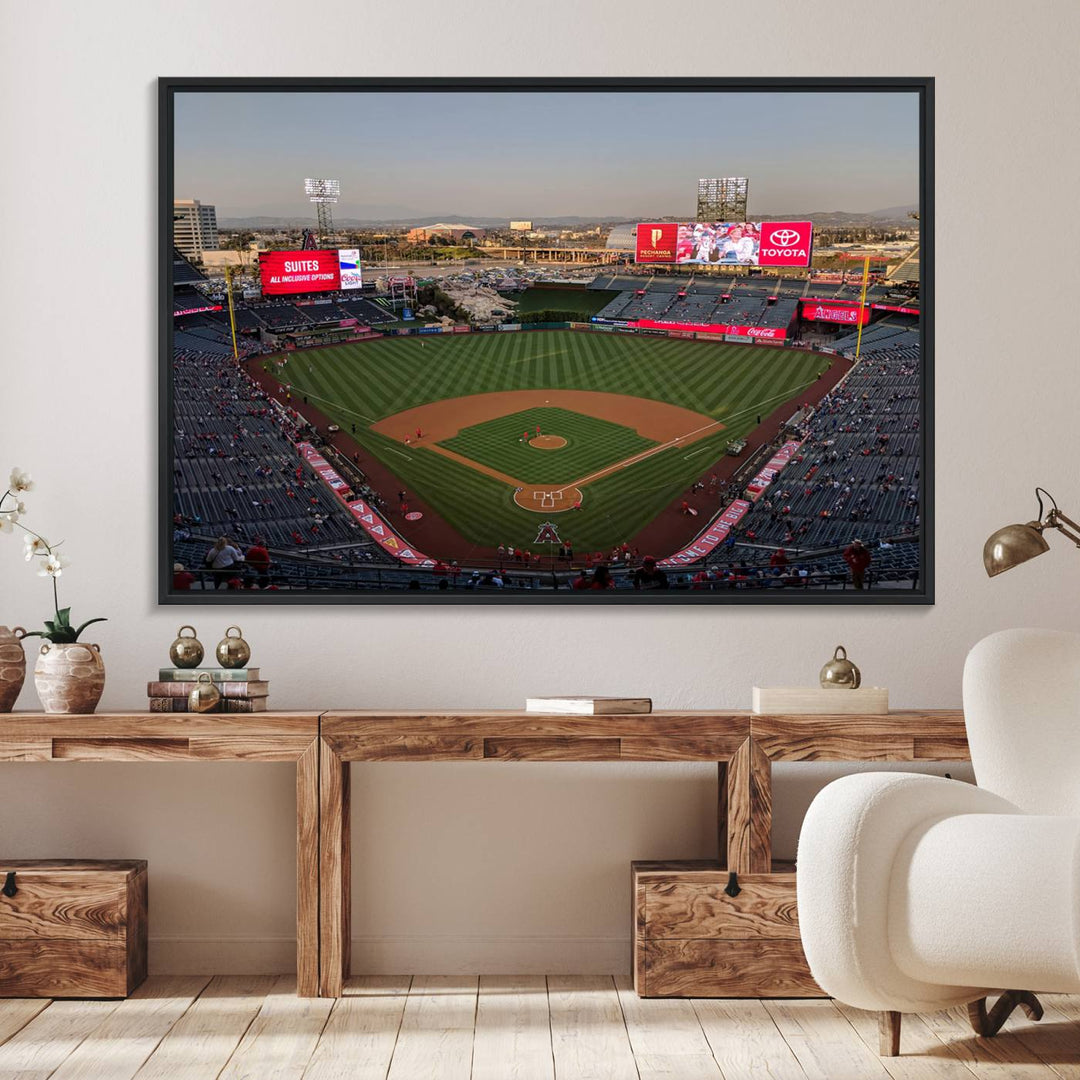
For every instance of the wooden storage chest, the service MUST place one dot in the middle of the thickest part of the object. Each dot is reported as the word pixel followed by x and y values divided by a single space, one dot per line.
pixel 71 928
pixel 693 939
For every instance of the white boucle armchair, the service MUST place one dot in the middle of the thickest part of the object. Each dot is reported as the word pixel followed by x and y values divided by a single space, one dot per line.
pixel 918 893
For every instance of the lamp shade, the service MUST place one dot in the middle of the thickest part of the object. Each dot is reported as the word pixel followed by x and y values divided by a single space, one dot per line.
pixel 1012 545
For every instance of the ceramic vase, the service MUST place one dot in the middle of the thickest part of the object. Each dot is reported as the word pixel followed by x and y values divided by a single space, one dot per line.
pixel 69 678
pixel 12 666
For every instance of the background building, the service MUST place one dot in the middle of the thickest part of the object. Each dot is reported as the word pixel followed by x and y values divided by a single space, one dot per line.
pixel 457 233
pixel 194 228
pixel 622 238
pixel 247 256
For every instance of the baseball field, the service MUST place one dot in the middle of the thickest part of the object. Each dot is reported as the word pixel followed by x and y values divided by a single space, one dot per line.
pixel 497 433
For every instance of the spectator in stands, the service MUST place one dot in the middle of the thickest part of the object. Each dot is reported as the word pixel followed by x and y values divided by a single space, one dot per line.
pixel 602 579
pixel 182 579
pixel 858 559
pixel 778 558
pixel 224 558
pixel 258 558
pixel 649 576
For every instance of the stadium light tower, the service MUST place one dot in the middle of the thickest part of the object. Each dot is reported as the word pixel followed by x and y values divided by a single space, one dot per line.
pixel 323 193
pixel 722 198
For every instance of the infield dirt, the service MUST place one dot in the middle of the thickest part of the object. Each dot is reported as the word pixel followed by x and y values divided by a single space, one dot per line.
pixel 656 420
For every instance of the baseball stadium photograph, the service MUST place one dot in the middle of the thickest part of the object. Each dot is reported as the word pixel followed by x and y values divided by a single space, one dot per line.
pixel 546 341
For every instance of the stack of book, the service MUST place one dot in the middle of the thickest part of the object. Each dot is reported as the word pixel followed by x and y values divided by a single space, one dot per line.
pixel 241 689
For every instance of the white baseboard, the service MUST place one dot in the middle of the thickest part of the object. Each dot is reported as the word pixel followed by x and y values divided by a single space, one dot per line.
pixel 430 954
pixel 439 954
pixel 221 956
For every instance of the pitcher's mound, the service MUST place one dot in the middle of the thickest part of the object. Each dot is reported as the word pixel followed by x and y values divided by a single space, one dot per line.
pixel 548 442
pixel 548 499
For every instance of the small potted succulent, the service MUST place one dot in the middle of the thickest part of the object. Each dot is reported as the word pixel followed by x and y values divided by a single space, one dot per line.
pixel 69 674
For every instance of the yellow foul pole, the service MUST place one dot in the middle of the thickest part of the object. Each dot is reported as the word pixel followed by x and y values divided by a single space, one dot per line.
pixel 232 313
pixel 862 305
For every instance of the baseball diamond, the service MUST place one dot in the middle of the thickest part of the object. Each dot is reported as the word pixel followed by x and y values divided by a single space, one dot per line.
pixel 591 443
pixel 458 419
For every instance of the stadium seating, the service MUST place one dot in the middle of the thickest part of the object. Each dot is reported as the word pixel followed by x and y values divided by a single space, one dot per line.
pixel 184 273
pixel 858 472
pixel 236 472
pixel 779 314
pixel 281 316
pixel 366 311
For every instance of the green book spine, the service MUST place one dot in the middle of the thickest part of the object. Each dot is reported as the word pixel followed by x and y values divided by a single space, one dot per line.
pixel 191 674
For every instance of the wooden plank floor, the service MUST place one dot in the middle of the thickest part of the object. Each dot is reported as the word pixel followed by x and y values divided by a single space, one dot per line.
pixel 523 1027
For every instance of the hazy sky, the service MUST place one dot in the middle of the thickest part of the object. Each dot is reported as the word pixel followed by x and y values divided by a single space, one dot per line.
pixel 543 154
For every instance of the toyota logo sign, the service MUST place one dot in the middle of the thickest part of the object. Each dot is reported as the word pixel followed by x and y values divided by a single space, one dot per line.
pixel 784 237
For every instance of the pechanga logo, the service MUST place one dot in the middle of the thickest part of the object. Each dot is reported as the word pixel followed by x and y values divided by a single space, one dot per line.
pixel 782 237
pixel 656 241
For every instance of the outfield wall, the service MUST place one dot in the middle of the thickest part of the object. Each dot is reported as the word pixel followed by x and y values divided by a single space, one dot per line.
pixel 728 334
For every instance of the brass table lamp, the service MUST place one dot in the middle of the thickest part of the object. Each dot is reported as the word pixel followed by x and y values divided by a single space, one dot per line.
pixel 1014 544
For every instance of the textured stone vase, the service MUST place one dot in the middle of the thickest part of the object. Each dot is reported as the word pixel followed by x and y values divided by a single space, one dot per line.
pixel 69 678
pixel 12 666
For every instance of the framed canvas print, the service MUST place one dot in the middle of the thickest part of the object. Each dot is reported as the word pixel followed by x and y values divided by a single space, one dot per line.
pixel 546 341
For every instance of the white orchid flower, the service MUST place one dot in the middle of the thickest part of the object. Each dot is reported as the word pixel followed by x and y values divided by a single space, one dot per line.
pixel 8 519
pixel 53 566
pixel 20 481
pixel 34 545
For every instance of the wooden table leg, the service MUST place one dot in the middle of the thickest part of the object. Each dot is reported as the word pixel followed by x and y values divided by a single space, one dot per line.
pixel 722 813
pixel 749 810
pixel 307 872
pixel 334 872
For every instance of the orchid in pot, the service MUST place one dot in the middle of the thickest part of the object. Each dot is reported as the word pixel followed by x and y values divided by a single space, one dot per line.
pixel 69 675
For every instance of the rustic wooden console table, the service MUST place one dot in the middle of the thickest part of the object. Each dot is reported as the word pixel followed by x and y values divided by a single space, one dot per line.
pixel 322 745
pixel 742 745
pixel 260 737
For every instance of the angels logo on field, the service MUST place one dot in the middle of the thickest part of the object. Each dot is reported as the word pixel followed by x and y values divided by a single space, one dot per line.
pixel 547 533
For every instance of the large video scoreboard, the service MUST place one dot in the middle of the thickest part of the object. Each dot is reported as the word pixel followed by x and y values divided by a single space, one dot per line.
pixel 726 243
pixel 284 272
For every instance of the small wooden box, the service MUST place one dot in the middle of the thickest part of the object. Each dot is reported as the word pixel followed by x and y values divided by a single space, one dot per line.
pixel 72 928
pixel 818 701
pixel 691 939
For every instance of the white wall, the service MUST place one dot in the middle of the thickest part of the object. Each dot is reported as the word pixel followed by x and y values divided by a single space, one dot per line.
pixel 494 867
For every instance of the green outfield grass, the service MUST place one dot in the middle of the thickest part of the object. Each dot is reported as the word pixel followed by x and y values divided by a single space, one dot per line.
pixel 359 384
pixel 591 444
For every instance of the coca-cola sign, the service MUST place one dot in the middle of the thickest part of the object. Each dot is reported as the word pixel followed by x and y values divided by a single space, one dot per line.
pixel 773 333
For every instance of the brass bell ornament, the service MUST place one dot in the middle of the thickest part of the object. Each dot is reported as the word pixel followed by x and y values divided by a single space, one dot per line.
pixel 204 696
pixel 233 652
pixel 840 673
pixel 186 652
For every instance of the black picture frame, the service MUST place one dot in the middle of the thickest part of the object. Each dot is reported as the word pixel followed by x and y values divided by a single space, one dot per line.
pixel 922 594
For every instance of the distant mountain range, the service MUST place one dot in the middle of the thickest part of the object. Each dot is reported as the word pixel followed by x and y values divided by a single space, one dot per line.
pixel 894 214
pixel 845 217
pixel 410 222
